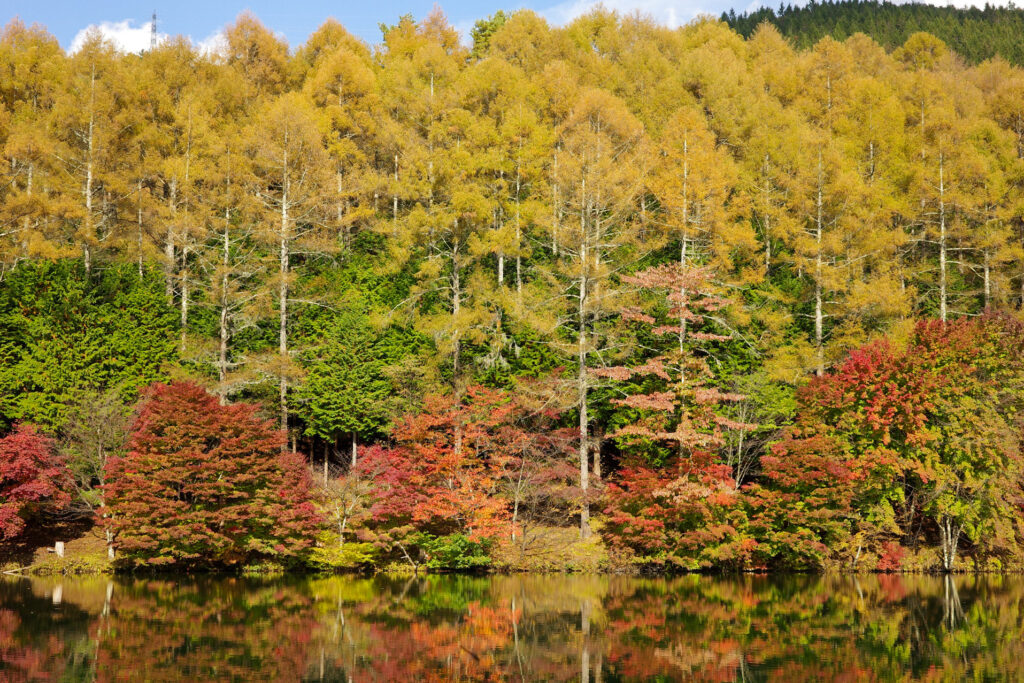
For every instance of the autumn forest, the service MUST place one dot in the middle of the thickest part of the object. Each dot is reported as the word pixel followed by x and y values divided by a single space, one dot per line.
pixel 602 297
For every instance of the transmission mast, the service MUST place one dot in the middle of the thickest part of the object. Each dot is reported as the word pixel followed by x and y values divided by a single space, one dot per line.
pixel 152 33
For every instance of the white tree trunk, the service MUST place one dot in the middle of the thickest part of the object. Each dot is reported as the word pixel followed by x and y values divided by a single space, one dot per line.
pixel 581 379
pixel 819 342
pixel 282 293
pixel 942 242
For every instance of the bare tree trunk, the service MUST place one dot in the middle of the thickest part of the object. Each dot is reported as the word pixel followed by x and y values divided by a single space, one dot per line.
pixel 184 296
pixel 519 230
pixel 556 218
pixel 456 342
pixel 86 246
pixel 355 450
pixel 942 242
pixel 988 278
pixel 169 238
pixel 282 294
pixel 515 501
pixel 222 359
pixel 139 224
pixel 765 225
pixel 394 197
pixel 949 538
pixel 184 246
pixel 581 379
pixel 818 294
pixel 682 316
pixel 340 209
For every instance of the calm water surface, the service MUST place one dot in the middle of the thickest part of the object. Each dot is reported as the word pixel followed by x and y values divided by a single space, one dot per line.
pixel 874 628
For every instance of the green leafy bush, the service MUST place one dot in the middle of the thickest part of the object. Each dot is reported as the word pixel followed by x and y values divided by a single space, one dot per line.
pixel 455 551
pixel 329 555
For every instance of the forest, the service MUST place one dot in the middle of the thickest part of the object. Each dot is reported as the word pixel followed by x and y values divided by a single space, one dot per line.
pixel 975 33
pixel 602 297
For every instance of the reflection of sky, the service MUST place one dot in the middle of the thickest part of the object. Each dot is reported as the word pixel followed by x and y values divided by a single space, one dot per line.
pixel 127 21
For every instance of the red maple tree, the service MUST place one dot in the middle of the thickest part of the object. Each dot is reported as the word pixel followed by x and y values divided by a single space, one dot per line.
pixel 206 485
pixel 32 478
pixel 438 479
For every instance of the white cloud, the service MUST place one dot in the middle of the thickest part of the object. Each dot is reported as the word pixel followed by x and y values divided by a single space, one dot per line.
pixel 671 13
pixel 125 36
pixel 211 44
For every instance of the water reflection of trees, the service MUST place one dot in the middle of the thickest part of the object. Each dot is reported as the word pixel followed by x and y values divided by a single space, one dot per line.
pixel 515 628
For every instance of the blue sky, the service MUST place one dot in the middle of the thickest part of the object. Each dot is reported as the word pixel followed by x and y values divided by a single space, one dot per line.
pixel 127 22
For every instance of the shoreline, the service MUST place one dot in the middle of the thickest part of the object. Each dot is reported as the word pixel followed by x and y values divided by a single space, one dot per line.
pixel 92 567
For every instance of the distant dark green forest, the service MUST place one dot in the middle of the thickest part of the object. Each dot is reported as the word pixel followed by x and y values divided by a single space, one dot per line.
pixel 976 34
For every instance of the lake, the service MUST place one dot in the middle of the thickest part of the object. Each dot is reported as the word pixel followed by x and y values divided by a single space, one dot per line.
pixel 530 627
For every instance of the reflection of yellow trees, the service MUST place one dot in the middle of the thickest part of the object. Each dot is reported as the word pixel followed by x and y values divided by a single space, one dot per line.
pixel 593 628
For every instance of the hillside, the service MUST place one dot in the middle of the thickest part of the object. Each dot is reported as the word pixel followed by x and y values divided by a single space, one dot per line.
pixel 976 34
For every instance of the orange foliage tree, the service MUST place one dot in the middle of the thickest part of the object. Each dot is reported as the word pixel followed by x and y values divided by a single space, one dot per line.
pixel 207 485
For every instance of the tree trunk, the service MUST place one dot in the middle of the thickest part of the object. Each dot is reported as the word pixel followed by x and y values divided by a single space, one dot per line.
pixel 942 241
pixel 682 316
pixel 515 501
pixel 355 450
pixel 555 208
pixel 949 537
pixel 184 246
pixel 765 225
pixel 326 451
pixel 987 267
pixel 519 238
pixel 818 313
pixel 139 225
pixel 184 297
pixel 169 245
pixel 222 359
pixel 581 381
pixel 394 197
pixel 456 342
pixel 282 295
pixel 86 246
pixel 1021 304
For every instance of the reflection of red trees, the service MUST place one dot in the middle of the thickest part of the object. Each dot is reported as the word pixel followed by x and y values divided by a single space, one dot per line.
pixel 19 662
pixel 31 653
pixel 225 631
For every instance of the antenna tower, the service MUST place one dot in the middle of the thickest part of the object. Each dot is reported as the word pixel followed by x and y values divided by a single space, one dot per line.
pixel 152 32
